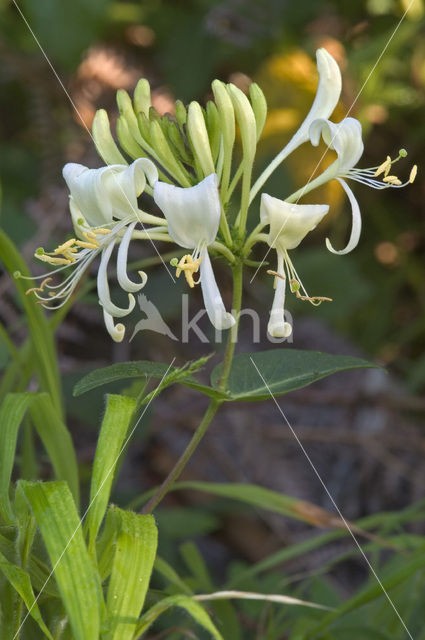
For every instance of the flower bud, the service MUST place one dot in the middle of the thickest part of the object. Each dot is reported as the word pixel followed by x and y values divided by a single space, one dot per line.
pixel 246 121
pixel 259 106
pixel 181 113
pixel 103 140
pixel 142 97
pixel 198 134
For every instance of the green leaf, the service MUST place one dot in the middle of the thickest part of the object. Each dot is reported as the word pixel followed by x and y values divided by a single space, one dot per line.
pixel 21 582
pixel 131 571
pixel 195 610
pixel 119 410
pixel 142 369
pixel 254 375
pixel 167 572
pixel 53 433
pixel 60 527
pixel 12 412
pixel 41 335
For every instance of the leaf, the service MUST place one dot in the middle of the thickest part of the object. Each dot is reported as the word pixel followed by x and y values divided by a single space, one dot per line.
pixel 135 553
pixel 60 527
pixel 53 433
pixel 144 368
pixel 185 602
pixel 12 412
pixel 42 340
pixel 254 376
pixel 167 572
pixel 21 582
pixel 119 410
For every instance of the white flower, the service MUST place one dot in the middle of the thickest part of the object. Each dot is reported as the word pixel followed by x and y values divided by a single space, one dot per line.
pixel 345 138
pixel 288 226
pixel 103 204
pixel 193 216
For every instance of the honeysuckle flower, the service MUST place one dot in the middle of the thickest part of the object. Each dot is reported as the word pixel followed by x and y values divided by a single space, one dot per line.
pixel 288 226
pixel 325 101
pixel 345 138
pixel 104 210
pixel 193 216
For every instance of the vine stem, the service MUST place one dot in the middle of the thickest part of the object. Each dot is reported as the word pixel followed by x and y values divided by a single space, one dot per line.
pixel 214 404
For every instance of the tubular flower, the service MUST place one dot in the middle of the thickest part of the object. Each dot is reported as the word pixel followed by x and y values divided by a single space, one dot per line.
pixel 104 210
pixel 345 138
pixel 288 226
pixel 193 216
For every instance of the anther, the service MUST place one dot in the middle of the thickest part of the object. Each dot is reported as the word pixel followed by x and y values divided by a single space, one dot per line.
pixel 384 167
pixel 40 288
pixel 413 173
pixel 392 180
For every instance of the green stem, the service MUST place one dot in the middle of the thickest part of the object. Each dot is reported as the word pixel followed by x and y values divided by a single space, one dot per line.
pixel 213 405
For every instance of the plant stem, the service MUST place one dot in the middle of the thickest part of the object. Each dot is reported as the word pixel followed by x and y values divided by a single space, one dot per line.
pixel 213 405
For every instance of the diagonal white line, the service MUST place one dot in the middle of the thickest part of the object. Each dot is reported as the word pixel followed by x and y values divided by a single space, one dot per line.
pixel 319 477
pixel 154 395
pixel 74 106
pixel 336 132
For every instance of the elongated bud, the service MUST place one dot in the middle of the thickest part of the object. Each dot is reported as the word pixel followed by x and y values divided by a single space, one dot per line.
pixel 181 113
pixel 125 107
pixel 166 156
pixel 142 97
pixel 198 134
pixel 226 112
pixel 127 141
pixel 103 140
pixel 144 126
pixel 246 121
pixel 259 106
pixel 176 140
pixel 213 127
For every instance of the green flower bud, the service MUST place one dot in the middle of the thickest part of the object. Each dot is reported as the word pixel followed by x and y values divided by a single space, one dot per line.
pixel 246 121
pixel 181 113
pixel 103 140
pixel 259 106
pixel 126 110
pixel 226 113
pixel 127 141
pixel 213 128
pixel 166 156
pixel 142 97
pixel 198 134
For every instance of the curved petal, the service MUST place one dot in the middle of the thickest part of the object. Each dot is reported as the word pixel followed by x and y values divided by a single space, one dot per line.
pixel 344 137
pixel 213 302
pixel 277 326
pixel 86 191
pixel 103 287
pixel 289 223
pixel 326 99
pixel 192 213
pixel 356 223
pixel 122 277
pixel 116 331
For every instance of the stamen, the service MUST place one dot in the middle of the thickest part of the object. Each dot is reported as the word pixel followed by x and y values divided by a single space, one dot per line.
pixel 413 173
pixel 189 266
pixel 40 288
pixel 383 168
pixel 44 257
pixel 392 180
pixel 65 246
pixel 315 300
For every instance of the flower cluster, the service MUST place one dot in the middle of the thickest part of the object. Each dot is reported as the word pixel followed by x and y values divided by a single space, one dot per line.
pixel 185 165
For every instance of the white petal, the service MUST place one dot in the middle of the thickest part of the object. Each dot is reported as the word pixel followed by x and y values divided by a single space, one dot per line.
pixel 103 287
pixel 356 223
pixel 213 302
pixel 289 223
pixel 192 213
pixel 344 137
pixel 122 277
pixel 277 327
pixel 326 99
pixel 116 331
pixel 86 192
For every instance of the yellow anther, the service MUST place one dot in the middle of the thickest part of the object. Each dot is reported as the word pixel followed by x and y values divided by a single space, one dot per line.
pixel 86 245
pixel 102 231
pixel 295 287
pixel 413 173
pixel 40 288
pixel 384 167
pixel 189 266
pixel 66 246
pixel 392 180
pixel 44 257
